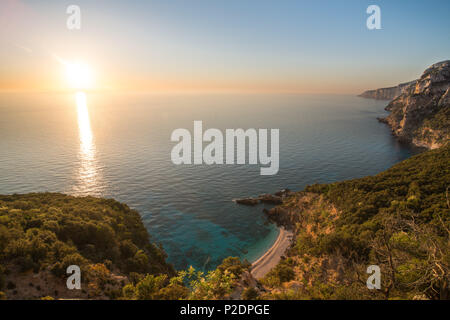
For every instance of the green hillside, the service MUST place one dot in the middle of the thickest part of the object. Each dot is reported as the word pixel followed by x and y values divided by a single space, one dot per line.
pixel 398 219
pixel 44 233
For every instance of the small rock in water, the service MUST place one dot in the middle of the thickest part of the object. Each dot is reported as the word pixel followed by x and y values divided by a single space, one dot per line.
pixel 247 201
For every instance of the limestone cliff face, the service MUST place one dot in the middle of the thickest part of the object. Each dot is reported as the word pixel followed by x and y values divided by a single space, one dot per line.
pixel 421 113
pixel 386 93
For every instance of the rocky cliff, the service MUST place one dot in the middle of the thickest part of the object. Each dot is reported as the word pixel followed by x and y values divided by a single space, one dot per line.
pixel 386 93
pixel 421 113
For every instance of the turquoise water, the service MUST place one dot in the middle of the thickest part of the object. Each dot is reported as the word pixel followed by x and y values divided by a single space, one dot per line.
pixel 119 146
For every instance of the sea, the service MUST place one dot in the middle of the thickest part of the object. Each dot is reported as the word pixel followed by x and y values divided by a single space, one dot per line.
pixel 118 146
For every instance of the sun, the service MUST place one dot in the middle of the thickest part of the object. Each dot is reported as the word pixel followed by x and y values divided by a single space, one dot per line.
pixel 79 75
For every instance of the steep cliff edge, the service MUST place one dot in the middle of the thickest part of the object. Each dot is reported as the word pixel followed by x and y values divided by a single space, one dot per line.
pixel 421 113
pixel 386 93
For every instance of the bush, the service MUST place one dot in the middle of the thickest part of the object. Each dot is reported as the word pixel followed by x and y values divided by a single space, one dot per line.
pixel 250 294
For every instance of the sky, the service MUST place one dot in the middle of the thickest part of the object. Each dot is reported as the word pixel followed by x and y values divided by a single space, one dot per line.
pixel 220 46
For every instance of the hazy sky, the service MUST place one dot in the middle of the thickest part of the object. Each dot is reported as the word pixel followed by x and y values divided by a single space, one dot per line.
pixel 232 45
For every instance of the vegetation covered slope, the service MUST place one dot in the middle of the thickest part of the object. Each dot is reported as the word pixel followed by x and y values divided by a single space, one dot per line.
pixel 398 220
pixel 41 234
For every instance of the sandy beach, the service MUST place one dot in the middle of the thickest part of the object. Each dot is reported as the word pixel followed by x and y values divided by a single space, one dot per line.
pixel 272 256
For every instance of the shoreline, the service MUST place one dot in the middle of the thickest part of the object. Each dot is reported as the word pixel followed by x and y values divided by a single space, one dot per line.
pixel 272 256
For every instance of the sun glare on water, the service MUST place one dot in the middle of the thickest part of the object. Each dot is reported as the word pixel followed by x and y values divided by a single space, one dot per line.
pixel 84 125
pixel 88 175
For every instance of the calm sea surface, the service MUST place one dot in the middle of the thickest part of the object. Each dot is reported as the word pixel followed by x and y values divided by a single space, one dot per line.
pixel 119 146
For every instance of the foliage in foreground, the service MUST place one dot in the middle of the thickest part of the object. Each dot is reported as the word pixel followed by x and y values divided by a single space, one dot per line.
pixel 190 284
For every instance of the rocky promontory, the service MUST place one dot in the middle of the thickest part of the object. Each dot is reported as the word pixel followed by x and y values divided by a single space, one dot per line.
pixel 276 198
pixel 421 113
pixel 386 93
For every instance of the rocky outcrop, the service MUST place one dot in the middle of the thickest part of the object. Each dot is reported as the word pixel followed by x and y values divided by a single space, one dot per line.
pixel 268 198
pixel 386 93
pixel 247 201
pixel 421 113
pixel 286 215
pixel 276 198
